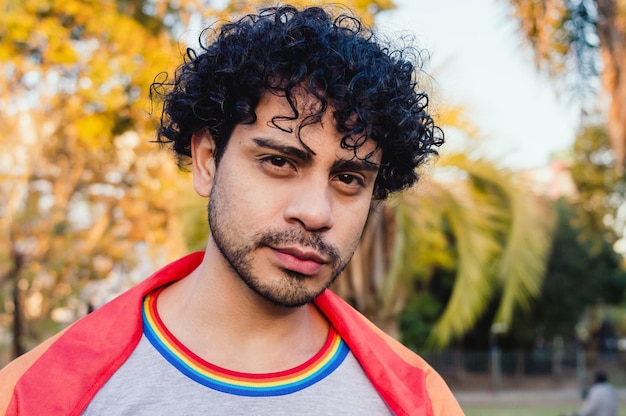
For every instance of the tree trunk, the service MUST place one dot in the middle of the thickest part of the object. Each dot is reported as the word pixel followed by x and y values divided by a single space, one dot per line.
pixel 611 29
pixel 12 276
pixel 18 321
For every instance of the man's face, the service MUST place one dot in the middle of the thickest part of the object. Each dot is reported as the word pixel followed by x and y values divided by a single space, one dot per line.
pixel 285 219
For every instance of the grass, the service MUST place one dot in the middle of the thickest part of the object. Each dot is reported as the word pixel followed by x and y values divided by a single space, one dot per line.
pixel 507 411
pixel 522 411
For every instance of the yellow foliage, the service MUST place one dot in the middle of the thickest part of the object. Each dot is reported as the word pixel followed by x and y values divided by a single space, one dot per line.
pixel 365 9
pixel 91 129
pixel 541 23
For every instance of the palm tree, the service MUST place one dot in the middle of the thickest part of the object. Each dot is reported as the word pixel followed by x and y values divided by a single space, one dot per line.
pixel 468 215
pixel 583 38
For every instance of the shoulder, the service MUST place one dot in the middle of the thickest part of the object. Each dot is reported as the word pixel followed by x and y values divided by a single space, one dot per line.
pixel 398 373
pixel 94 346
pixel 441 397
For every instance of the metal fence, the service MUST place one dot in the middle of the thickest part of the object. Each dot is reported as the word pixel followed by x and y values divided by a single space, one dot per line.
pixel 497 370
pixel 513 370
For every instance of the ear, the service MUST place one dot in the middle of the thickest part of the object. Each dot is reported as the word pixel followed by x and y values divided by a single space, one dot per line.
pixel 203 161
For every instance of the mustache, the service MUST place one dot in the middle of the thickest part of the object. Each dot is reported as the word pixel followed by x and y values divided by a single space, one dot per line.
pixel 295 237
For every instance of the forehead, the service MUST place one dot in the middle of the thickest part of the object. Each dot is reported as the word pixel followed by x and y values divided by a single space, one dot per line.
pixel 301 118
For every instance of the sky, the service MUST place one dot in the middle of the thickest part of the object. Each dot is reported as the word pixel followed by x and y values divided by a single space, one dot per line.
pixel 480 62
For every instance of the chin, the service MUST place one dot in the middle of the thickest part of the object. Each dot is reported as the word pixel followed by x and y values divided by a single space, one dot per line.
pixel 291 294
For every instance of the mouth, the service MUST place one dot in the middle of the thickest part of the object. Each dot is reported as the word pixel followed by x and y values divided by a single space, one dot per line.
pixel 300 261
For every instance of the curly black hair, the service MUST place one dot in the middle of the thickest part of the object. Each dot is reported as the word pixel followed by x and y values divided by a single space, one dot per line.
pixel 370 88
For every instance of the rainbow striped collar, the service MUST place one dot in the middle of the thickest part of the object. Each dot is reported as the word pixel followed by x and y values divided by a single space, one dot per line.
pixel 279 383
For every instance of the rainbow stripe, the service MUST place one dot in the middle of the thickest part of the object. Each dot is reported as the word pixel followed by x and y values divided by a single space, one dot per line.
pixel 279 383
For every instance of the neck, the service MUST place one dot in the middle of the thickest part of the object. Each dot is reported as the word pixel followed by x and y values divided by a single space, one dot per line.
pixel 217 316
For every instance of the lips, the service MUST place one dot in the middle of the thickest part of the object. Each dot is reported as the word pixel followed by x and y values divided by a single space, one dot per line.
pixel 294 259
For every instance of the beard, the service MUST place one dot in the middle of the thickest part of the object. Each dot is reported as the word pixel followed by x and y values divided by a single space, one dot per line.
pixel 238 250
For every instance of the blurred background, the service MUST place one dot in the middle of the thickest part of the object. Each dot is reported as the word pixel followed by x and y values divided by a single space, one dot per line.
pixel 504 267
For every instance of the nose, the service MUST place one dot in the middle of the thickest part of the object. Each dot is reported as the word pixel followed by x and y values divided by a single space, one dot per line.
pixel 311 206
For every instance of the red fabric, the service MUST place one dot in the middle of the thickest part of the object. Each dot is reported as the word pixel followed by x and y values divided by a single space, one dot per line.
pixel 401 385
pixel 71 371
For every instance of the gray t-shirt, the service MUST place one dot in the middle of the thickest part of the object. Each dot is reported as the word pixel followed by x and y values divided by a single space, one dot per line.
pixel 147 384
pixel 162 377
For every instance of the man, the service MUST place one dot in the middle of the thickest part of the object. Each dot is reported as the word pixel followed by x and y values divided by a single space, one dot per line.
pixel 601 399
pixel 293 121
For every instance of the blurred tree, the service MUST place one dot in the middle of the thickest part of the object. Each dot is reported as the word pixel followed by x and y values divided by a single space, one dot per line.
pixel 584 270
pixel 574 41
pixel 468 232
pixel 581 273
pixel 507 247
pixel 80 189
pixel 601 189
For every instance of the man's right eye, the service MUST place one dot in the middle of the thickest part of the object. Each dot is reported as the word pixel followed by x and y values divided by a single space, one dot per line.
pixel 277 165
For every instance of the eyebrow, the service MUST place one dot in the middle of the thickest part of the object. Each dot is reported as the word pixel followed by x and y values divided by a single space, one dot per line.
pixel 284 149
pixel 354 164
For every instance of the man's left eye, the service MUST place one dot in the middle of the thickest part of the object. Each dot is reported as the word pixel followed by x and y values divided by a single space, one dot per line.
pixel 278 161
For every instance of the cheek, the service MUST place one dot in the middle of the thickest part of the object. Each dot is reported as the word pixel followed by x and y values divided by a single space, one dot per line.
pixel 240 189
pixel 353 223
pixel 256 206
